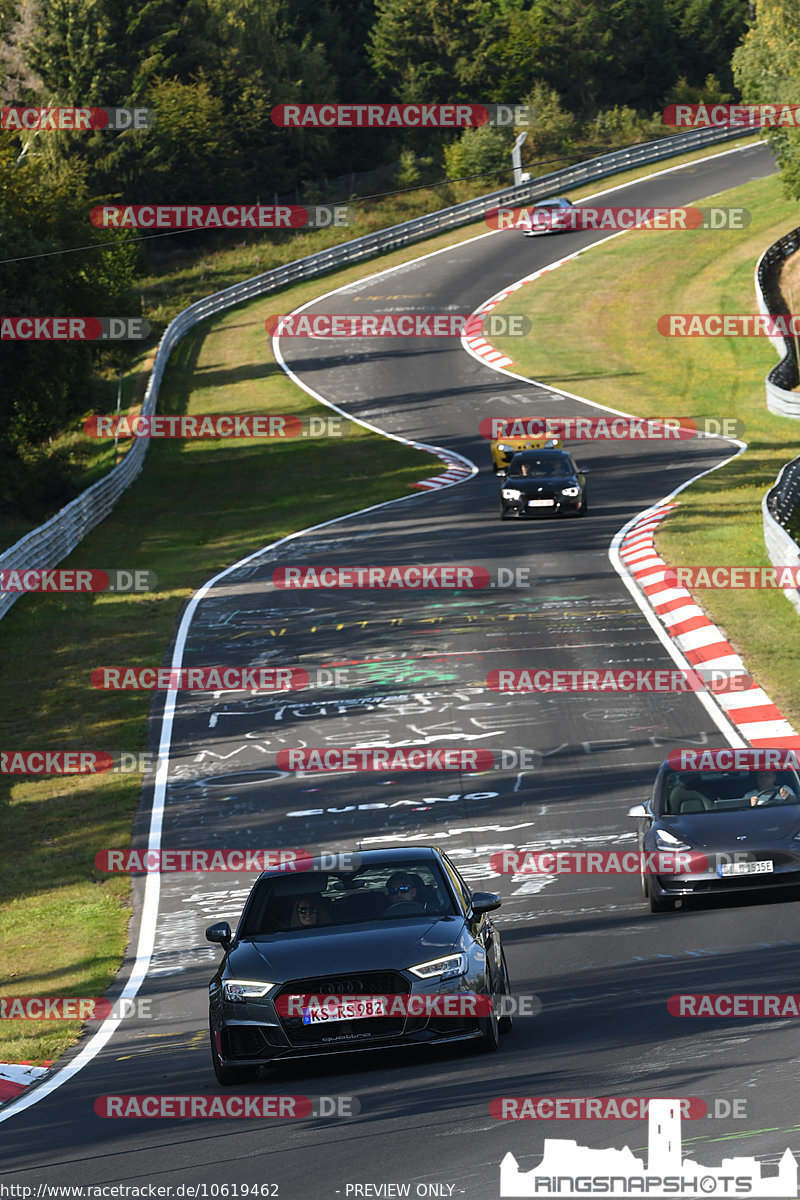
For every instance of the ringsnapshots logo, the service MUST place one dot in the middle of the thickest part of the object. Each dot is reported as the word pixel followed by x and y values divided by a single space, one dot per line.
pixel 568 220
pixel 114 580
pixel 218 216
pixel 73 329
pixel 732 116
pixel 609 429
pixel 273 426
pixel 626 679
pixel 75 119
pixel 398 325
pixel 196 1107
pixel 400 116
pixel 569 1170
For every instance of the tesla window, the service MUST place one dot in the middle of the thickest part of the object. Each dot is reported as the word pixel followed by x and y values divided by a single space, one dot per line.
pixel 728 791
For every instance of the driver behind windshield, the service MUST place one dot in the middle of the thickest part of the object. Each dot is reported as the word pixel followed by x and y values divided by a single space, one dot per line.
pixel 768 789
pixel 401 888
pixel 535 467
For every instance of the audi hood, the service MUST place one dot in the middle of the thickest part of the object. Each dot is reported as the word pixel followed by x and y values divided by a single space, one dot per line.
pixel 374 946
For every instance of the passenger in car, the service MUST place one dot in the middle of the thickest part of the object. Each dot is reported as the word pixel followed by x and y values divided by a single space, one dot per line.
pixel 308 911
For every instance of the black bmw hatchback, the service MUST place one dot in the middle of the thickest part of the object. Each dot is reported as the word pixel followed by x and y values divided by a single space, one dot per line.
pixel 394 950
pixel 541 482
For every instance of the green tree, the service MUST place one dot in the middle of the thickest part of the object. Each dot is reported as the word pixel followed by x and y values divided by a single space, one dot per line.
pixel 766 69
pixel 708 32
pixel 553 129
pixel 46 383
pixel 107 52
pixel 483 151
pixel 188 156
pixel 709 92
pixel 597 55
pixel 437 50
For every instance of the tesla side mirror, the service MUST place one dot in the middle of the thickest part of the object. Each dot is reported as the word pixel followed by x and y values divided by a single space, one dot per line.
pixel 221 933
pixel 638 810
pixel 483 902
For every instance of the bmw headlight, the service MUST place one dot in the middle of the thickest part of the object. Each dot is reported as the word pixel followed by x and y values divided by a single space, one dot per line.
pixel 442 968
pixel 550 443
pixel 571 491
pixel 667 841
pixel 239 991
pixel 505 449
pixel 511 494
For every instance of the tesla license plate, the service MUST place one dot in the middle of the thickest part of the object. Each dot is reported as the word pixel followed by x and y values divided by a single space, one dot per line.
pixel 344 1010
pixel 746 868
pixel 541 503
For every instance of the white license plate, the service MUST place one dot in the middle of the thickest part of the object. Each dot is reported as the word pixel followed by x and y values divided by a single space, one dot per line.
pixel 541 503
pixel 348 1010
pixel 746 868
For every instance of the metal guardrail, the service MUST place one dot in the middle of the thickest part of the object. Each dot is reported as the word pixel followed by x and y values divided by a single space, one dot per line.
pixel 46 545
pixel 781 400
pixel 776 509
pixel 779 503
pixel 784 493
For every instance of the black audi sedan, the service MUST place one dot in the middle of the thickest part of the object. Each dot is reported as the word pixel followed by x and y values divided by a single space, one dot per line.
pixel 737 831
pixel 331 961
pixel 543 481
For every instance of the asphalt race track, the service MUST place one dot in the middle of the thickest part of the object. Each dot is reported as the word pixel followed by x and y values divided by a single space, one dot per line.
pixel 416 666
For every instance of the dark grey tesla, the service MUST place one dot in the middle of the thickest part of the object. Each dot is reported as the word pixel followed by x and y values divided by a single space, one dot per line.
pixel 400 922
pixel 540 482
pixel 745 824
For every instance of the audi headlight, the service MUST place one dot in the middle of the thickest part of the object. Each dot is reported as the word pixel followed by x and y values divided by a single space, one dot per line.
pixel 442 968
pixel 239 991
pixel 571 491
pixel 667 841
pixel 511 494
